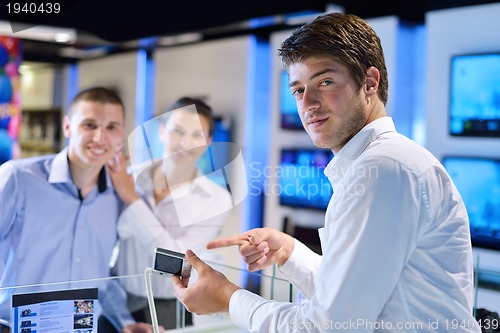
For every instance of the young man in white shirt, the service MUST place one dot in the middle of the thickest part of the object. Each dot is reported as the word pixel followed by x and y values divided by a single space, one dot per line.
pixel 396 244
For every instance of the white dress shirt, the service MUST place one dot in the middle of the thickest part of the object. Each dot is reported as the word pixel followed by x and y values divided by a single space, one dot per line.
pixel 145 225
pixel 396 248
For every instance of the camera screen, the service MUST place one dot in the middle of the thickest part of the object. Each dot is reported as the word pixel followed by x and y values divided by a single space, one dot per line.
pixel 167 264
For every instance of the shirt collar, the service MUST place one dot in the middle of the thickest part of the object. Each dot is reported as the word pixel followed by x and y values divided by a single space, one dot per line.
pixel 60 172
pixel 338 166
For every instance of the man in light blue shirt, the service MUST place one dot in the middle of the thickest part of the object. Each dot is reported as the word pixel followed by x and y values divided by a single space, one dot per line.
pixel 58 213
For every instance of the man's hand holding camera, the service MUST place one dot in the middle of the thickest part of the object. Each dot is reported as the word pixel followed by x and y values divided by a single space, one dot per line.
pixel 212 291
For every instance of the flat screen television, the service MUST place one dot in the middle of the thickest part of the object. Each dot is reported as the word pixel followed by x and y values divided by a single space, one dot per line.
pixel 288 108
pixel 301 180
pixel 475 95
pixel 218 154
pixel 478 181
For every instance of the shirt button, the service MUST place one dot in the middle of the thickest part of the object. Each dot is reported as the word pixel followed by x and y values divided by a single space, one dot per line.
pixel 77 259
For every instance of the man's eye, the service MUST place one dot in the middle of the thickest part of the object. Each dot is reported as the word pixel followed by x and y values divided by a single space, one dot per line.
pixel 326 82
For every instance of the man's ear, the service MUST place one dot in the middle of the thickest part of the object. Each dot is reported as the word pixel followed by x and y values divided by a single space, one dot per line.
pixel 66 126
pixel 372 79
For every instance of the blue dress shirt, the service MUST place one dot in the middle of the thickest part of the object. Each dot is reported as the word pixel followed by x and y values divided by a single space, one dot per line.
pixel 48 232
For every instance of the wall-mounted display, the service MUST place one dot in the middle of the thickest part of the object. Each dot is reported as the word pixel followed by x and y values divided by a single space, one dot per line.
pixel 302 182
pixel 219 154
pixel 475 95
pixel 478 181
pixel 289 116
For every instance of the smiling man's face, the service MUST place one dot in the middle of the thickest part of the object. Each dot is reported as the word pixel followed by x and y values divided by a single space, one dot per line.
pixel 331 107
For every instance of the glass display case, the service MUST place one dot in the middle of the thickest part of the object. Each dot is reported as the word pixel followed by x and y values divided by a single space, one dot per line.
pixel 76 306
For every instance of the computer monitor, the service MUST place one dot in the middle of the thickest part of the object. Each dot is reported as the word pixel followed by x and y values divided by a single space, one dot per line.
pixel 219 153
pixel 288 108
pixel 478 181
pixel 475 95
pixel 302 182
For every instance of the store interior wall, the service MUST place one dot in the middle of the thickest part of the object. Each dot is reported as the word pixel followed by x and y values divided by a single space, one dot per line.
pixel 117 72
pixel 459 31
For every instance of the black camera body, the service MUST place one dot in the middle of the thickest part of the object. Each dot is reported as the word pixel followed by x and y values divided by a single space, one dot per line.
pixel 171 262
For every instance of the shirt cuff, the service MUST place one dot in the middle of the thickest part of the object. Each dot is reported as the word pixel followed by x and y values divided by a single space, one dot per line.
pixel 290 266
pixel 241 306
pixel 136 206
pixel 301 268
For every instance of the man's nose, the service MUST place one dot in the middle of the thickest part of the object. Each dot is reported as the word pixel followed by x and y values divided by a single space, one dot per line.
pixel 98 134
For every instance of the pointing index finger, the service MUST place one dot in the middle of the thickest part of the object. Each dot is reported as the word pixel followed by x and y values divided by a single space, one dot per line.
pixel 228 241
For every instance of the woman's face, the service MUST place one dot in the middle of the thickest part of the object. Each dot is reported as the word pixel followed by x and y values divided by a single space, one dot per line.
pixel 184 137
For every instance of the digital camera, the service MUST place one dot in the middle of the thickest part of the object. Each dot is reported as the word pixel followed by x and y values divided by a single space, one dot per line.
pixel 171 262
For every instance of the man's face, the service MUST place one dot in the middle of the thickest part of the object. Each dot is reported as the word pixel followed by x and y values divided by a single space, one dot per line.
pixel 95 131
pixel 184 137
pixel 330 106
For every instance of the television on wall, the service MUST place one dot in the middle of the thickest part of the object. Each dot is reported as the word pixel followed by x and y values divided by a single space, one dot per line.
pixel 475 95
pixel 301 180
pixel 219 153
pixel 288 108
pixel 478 181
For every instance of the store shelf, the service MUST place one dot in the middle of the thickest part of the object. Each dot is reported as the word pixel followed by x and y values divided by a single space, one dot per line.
pixel 40 132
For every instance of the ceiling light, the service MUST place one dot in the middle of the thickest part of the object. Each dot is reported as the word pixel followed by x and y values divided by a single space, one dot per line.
pixel 180 39
pixel 62 37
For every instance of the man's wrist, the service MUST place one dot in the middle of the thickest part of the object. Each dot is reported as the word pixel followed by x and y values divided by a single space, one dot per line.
pixel 230 290
pixel 286 250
